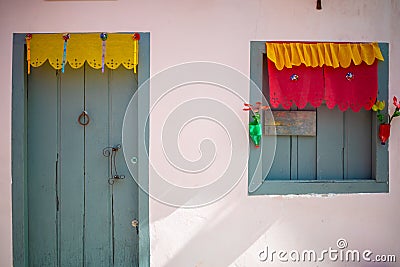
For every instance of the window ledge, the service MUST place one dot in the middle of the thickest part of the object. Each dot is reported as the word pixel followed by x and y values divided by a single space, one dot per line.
pixel 296 187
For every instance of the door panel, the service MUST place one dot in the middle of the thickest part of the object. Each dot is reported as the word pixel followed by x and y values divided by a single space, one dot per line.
pixel 41 177
pixel 98 247
pixel 76 217
pixel 71 162
pixel 280 169
pixel 358 147
pixel 306 155
pixel 329 143
pixel 126 238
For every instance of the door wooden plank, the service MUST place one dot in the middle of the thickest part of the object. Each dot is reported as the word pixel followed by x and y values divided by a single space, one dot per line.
pixel 42 156
pixel 71 168
pixel 280 169
pixel 19 161
pixel 329 143
pixel 123 84
pixel 358 148
pixel 143 104
pixel 294 145
pixel 307 157
pixel 98 224
pixel 307 154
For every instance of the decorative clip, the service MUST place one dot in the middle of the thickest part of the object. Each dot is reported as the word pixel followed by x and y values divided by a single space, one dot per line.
pixel 103 37
pixel 28 38
pixel 66 37
pixel 294 77
pixel 136 38
pixel 349 76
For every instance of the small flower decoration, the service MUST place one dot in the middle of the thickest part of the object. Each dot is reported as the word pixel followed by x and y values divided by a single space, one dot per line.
pixel 255 108
pixel 396 103
pixel 66 36
pixel 103 36
pixel 386 118
pixel 379 105
pixel 136 36
pixel 396 112
pixel 28 36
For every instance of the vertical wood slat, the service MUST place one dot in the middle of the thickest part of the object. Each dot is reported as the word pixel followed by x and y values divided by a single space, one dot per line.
pixel 19 154
pixel 269 142
pixel 143 104
pixel 330 144
pixel 123 84
pixel 307 154
pixel 42 156
pixel 307 157
pixel 280 169
pixel 98 224
pixel 357 153
pixel 294 159
pixel 71 180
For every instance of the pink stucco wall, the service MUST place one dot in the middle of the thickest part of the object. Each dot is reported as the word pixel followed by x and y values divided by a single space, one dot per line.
pixel 233 230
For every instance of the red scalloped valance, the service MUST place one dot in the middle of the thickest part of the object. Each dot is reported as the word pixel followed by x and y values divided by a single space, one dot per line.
pixel 355 86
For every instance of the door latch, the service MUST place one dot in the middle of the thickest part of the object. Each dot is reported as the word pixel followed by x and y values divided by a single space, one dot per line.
pixel 111 152
pixel 135 224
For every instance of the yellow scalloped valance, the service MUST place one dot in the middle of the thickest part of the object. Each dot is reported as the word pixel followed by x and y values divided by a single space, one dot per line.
pixel 319 54
pixel 84 47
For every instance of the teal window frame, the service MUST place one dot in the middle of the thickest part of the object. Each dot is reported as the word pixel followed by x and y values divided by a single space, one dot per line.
pixel 378 183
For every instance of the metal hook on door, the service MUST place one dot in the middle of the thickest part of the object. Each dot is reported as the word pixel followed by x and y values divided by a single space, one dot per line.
pixel 135 224
pixel 85 116
pixel 111 152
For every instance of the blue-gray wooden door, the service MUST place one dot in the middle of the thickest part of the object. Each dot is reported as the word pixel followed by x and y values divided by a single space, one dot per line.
pixel 76 218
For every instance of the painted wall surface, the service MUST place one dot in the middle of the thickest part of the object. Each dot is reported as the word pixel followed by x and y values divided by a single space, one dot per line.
pixel 233 230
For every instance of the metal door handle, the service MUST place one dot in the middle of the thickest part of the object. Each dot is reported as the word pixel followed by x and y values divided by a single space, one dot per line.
pixel 111 152
pixel 85 116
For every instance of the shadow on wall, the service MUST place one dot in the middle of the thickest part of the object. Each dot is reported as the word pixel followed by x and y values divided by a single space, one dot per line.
pixel 226 237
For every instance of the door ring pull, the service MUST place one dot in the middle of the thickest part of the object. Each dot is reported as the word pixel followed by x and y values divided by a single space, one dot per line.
pixel 85 118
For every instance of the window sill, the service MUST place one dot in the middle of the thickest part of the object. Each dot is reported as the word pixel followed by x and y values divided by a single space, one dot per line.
pixel 296 187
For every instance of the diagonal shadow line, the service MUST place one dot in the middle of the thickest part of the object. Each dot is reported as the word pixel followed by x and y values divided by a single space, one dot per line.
pixel 221 243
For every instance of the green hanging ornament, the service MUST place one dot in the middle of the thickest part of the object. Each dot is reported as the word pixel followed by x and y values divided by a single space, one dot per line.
pixel 255 128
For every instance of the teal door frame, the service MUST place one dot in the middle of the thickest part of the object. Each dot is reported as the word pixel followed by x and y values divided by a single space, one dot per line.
pixel 19 151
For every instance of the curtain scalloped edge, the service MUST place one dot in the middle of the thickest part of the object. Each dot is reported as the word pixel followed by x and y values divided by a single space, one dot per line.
pixel 79 65
pixel 118 49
